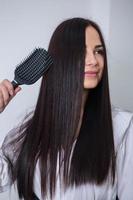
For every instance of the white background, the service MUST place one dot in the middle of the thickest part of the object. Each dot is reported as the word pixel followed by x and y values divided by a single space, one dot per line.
pixel 27 24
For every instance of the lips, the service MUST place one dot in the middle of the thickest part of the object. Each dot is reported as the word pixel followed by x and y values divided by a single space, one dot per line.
pixel 91 73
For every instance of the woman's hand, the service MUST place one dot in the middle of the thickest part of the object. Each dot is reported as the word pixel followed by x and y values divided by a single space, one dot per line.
pixel 7 92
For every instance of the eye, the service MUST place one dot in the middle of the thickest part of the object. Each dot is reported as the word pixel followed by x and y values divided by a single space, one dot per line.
pixel 99 51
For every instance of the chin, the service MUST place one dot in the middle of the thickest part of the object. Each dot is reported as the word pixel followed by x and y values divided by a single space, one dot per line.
pixel 90 85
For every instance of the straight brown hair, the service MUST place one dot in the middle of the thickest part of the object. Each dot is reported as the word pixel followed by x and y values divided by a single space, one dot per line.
pixel 49 135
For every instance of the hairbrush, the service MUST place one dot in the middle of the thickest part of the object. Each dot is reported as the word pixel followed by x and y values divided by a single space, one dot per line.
pixel 32 67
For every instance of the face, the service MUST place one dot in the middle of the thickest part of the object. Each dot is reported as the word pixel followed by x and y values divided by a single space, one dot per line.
pixel 94 59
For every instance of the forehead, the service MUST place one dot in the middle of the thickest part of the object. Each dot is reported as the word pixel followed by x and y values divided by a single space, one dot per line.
pixel 92 37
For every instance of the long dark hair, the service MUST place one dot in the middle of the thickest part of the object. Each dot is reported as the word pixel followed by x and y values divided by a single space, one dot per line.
pixel 50 133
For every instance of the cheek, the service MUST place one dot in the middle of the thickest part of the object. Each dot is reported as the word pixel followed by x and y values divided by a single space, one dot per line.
pixel 100 75
pixel 101 68
pixel 100 62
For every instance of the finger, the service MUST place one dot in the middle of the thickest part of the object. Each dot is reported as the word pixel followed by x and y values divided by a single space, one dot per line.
pixel 6 95
pixel 9 86
pixel 17 90
pixel 1 102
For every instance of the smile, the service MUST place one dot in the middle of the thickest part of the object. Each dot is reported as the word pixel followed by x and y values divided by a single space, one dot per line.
pixel 91 74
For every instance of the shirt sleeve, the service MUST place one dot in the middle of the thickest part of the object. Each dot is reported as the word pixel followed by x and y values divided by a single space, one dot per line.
pixel 8 155
pixel 5 176
pixel 125 165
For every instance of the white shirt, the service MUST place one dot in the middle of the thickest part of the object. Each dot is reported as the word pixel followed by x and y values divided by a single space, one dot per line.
pixel 123 186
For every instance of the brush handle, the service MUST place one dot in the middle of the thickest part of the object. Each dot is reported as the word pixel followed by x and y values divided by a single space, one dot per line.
pixel 15 84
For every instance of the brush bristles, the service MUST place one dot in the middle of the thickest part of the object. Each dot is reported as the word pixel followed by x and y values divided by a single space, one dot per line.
pixel 33 67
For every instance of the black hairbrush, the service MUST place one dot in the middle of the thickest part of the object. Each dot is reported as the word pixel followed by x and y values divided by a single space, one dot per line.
pixel 32 68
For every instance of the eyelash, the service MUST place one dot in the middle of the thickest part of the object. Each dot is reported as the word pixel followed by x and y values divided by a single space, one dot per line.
pixel 99 51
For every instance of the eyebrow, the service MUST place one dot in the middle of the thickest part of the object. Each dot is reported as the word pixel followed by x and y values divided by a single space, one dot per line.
pixel 99 46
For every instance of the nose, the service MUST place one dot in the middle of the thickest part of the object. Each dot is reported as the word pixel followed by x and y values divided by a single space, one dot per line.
pixel 90 59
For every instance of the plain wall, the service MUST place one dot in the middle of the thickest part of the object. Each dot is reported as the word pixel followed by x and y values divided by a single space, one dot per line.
pixel 120 53
pixel 27 24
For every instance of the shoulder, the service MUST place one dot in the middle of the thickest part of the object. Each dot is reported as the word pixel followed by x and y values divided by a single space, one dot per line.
pixel 122 120
pixel 123 139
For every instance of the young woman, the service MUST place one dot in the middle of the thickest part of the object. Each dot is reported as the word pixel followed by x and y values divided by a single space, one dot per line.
pixel 74 145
